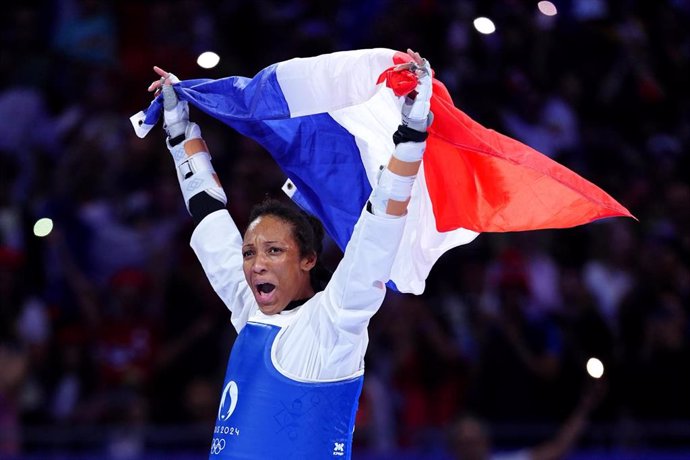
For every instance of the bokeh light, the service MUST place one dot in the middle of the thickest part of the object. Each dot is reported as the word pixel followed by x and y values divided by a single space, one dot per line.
pixel 547 8
pixel 208 60
pixel 484 25
pixel 595 368
pixel 43 227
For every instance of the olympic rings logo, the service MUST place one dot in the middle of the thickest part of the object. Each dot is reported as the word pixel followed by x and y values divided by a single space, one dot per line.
pixel 217 445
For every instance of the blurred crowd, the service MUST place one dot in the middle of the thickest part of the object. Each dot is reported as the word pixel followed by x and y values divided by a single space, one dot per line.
pixel 110 321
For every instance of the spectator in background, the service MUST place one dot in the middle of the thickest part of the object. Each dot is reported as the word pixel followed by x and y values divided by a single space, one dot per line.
pixel 424 366
pixel 469 438
pixel 85 32
pixel 609 274
pixel 521 352
pixel 14 365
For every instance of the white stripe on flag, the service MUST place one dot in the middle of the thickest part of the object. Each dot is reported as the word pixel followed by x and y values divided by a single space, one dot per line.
pixel 331 81
pixel 373 124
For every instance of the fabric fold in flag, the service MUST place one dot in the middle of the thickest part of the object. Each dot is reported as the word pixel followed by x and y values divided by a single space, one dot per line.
pixel 513 187
pixel 328 122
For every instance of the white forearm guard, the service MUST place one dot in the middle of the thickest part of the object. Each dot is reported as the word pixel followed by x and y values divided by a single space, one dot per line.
pixel 409 151
pixel 392 186
pixel 195 172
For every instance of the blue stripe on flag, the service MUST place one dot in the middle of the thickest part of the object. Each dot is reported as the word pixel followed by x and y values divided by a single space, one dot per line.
pixel 315 152
pixel 322 159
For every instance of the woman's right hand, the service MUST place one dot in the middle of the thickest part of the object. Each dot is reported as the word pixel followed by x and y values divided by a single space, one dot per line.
pixel 176 112
pixel 166 78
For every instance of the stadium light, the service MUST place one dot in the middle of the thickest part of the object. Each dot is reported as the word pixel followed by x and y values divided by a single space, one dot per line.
pixel 595 368
pixel 208 60
pixel 547 8
pixel 43 227
pixel 484 25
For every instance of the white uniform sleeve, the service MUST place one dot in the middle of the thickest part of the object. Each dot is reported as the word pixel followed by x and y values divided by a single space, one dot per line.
pixel 357 287
pixel 217 243
pixel 328 338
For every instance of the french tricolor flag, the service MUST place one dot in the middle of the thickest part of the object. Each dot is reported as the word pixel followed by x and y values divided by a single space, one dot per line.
pixel 329 120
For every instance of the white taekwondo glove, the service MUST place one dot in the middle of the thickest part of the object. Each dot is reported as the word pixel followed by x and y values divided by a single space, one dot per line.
pixel 416 112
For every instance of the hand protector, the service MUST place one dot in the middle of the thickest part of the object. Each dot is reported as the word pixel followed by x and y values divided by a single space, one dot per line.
pixel 175 112
pixel 416 111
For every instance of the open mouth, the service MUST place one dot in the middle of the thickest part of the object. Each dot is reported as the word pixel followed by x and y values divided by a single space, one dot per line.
pixel 265 288
pixel 264 291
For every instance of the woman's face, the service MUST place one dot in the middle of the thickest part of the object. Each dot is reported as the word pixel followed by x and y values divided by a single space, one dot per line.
pixel 273 267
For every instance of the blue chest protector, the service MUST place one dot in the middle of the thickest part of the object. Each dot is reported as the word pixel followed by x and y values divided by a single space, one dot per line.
pixel 265 415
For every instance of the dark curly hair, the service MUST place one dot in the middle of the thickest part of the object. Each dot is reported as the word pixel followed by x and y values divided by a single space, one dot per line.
pixel 307 231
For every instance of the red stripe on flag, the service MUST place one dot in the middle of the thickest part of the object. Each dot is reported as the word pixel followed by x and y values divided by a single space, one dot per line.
pixel 481 180
pixel 401 82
